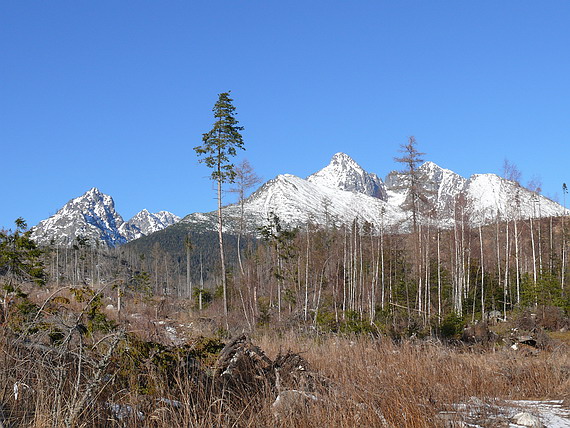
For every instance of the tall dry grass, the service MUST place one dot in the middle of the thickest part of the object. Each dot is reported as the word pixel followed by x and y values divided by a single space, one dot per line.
pixel 408 384
pixel 371 382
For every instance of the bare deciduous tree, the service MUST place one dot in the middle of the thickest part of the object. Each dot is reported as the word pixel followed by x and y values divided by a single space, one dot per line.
pixel 245 179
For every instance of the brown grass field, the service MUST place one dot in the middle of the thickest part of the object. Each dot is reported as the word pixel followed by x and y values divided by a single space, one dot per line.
pixel 364 381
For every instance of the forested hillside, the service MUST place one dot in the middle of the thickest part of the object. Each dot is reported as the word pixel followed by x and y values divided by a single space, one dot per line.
pixel 327 276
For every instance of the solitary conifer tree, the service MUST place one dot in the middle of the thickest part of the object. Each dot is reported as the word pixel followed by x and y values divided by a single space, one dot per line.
pixel 218 146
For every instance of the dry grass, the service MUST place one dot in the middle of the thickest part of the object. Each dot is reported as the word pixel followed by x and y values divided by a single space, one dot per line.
pixel 409 383
pixel 370 382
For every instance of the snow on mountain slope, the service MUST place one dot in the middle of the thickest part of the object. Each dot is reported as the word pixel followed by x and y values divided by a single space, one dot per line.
pixel 342 192
pixel 443 185
pixel 344 173
pixel 492 196
pixel 337 194
pixel 440 186
pixel 93 216
pixel 296 201
pixel 480 198
pixel 144 223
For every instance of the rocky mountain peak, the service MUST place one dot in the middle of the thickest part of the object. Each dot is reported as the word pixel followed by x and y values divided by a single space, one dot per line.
pixel 430 167
pixel 344 173
pixel 337 194
pixel 93 216
pixel 94 192
pixel 144 223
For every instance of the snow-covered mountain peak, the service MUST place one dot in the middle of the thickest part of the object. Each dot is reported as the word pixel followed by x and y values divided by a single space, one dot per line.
pixel 337 194
pixel 430 166
pixel 285 177
pixel 344 159
pixel 500 198
pixel 344 173
pixel 340 166
pixel 94 191
pixel 144 223
pixel 490 177
pixel 433 171
pixel 438 185
pixel 94 194
pixel 93 216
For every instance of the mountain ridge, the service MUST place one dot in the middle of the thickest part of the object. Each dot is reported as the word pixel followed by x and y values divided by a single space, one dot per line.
pixel 343 191
pixel 93 216
pixel 337 194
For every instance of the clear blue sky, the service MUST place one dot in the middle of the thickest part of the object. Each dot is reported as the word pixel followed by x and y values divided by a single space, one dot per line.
pixel 115 94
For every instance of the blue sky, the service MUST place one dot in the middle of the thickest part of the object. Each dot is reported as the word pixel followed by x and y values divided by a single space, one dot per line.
pixel 115 94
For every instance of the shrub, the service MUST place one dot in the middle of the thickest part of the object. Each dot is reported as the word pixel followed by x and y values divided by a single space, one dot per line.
pixel 451 326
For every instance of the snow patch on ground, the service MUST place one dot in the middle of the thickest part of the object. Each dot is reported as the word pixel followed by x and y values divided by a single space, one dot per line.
pixel 477 413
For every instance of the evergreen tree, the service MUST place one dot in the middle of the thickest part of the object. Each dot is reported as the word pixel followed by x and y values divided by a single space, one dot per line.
pixel 20 257
pixel 281 240
pixel 218 146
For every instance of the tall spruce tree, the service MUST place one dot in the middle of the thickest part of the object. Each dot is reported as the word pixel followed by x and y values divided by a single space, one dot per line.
pixel 218 146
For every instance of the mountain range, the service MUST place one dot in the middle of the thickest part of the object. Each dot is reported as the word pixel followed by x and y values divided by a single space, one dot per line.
pixel 337 194
pixel 93 216
pixel 343 191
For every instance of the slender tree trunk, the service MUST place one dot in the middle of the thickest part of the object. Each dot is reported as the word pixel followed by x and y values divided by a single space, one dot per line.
pixel 375 274
pixel 244 309
pixel 540 266
pixel 382 266
pixel 428 274
pixel 201 283
pixel 361 281
pixel 551 244
pixel 57 265
pixel 119 300
pixel 419 297
pixel 344 270
pixel 482 275
pixel 241 230
pixel 498 245
pixel 221 242
pixel 517 267
pixel 457 288
pixel 438 275
pixel 188 280
pixel 279 273
pixel 99 267
pixel 563 268
pixel 167 282
pixel 307 278
pixel 534 273
pixel 506 279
